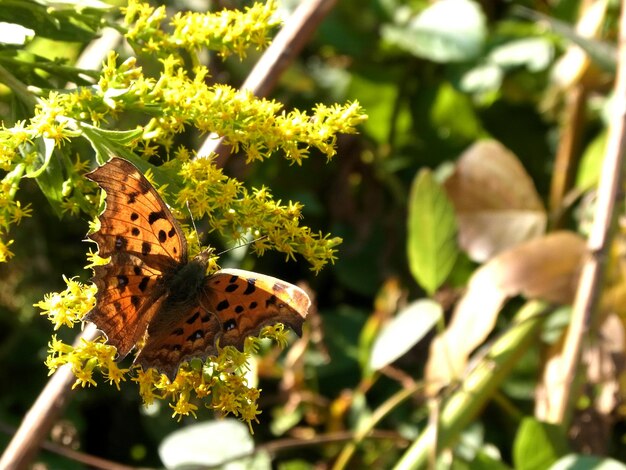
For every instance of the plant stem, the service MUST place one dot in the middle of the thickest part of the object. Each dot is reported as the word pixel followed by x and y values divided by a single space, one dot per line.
pixel 599 240
pixel 363 431
pixel 477 388
pixel 41 416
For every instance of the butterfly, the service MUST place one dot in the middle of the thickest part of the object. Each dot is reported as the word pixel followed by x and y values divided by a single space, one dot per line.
pixel 150 290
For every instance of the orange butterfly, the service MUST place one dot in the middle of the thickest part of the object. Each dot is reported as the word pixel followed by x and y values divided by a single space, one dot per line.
pixel 150 290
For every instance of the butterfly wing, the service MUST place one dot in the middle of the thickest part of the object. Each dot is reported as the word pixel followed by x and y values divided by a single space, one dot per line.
pixel 244 302
pixel 180 335
pixel 145 244
pixel 235 304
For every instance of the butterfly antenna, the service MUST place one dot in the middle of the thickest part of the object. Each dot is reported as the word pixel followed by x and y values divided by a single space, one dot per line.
pixel 193 224
pixel 243 244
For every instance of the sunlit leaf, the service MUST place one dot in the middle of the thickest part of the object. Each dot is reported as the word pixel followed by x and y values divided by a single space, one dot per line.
pixel 538 445
pixel 404 331
pixel 213 443
pixel 535 54
pixel 585 462
pixel 591 163
pixel 446 31
pixel 431 246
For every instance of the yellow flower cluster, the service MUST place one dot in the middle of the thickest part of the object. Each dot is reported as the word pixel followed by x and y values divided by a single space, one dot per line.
pixel 226 32
pixel 232 209
pixel 219 384
pixel 172 101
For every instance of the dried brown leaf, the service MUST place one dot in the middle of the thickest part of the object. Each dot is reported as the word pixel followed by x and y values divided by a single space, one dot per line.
pixel 545 268
pixel 496 202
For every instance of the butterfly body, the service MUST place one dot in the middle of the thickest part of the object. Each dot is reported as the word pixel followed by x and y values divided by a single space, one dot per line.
pixel 187 281
pixel 150 291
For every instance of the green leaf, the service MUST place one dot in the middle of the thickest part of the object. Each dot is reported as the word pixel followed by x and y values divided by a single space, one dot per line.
pixel 432 248
pixel 62 21
pixel 49 174
pixel 585 462
pixel 114 143
pixel 591 162
pixel 377 91
pixel 447 31
pixel 604 54
pixel 535 54
pixel 108 143
pixel 211 444
pixel 538 445
pixel 485 461
pixel 483 78
pixel 404 331
pixel 46 149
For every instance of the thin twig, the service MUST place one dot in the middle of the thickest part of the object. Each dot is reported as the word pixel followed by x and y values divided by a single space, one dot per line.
pixel 368 426
pixel 279 55
pixel 567 153
pixel 600 237
pixel 75 455
pixel 42 415
pixel 273 448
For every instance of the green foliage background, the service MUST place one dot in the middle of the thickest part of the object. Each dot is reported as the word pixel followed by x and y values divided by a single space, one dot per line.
pixel 429 96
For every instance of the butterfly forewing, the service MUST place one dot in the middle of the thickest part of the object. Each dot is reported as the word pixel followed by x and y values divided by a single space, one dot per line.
pixel 145 243
pixel 135 219
pixel 120 312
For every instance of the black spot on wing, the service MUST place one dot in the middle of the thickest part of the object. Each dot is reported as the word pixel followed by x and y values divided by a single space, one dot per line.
pixel 250 288
pixel 195 335
pixel 223 305
pixel 154 216
pixel 230 288
pixel 271 301
pixel 230 325
pixel 144 283
pixel 192 318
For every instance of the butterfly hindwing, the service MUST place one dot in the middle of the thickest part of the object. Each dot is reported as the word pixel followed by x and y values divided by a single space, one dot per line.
pixel 245 302
pixel 189 332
